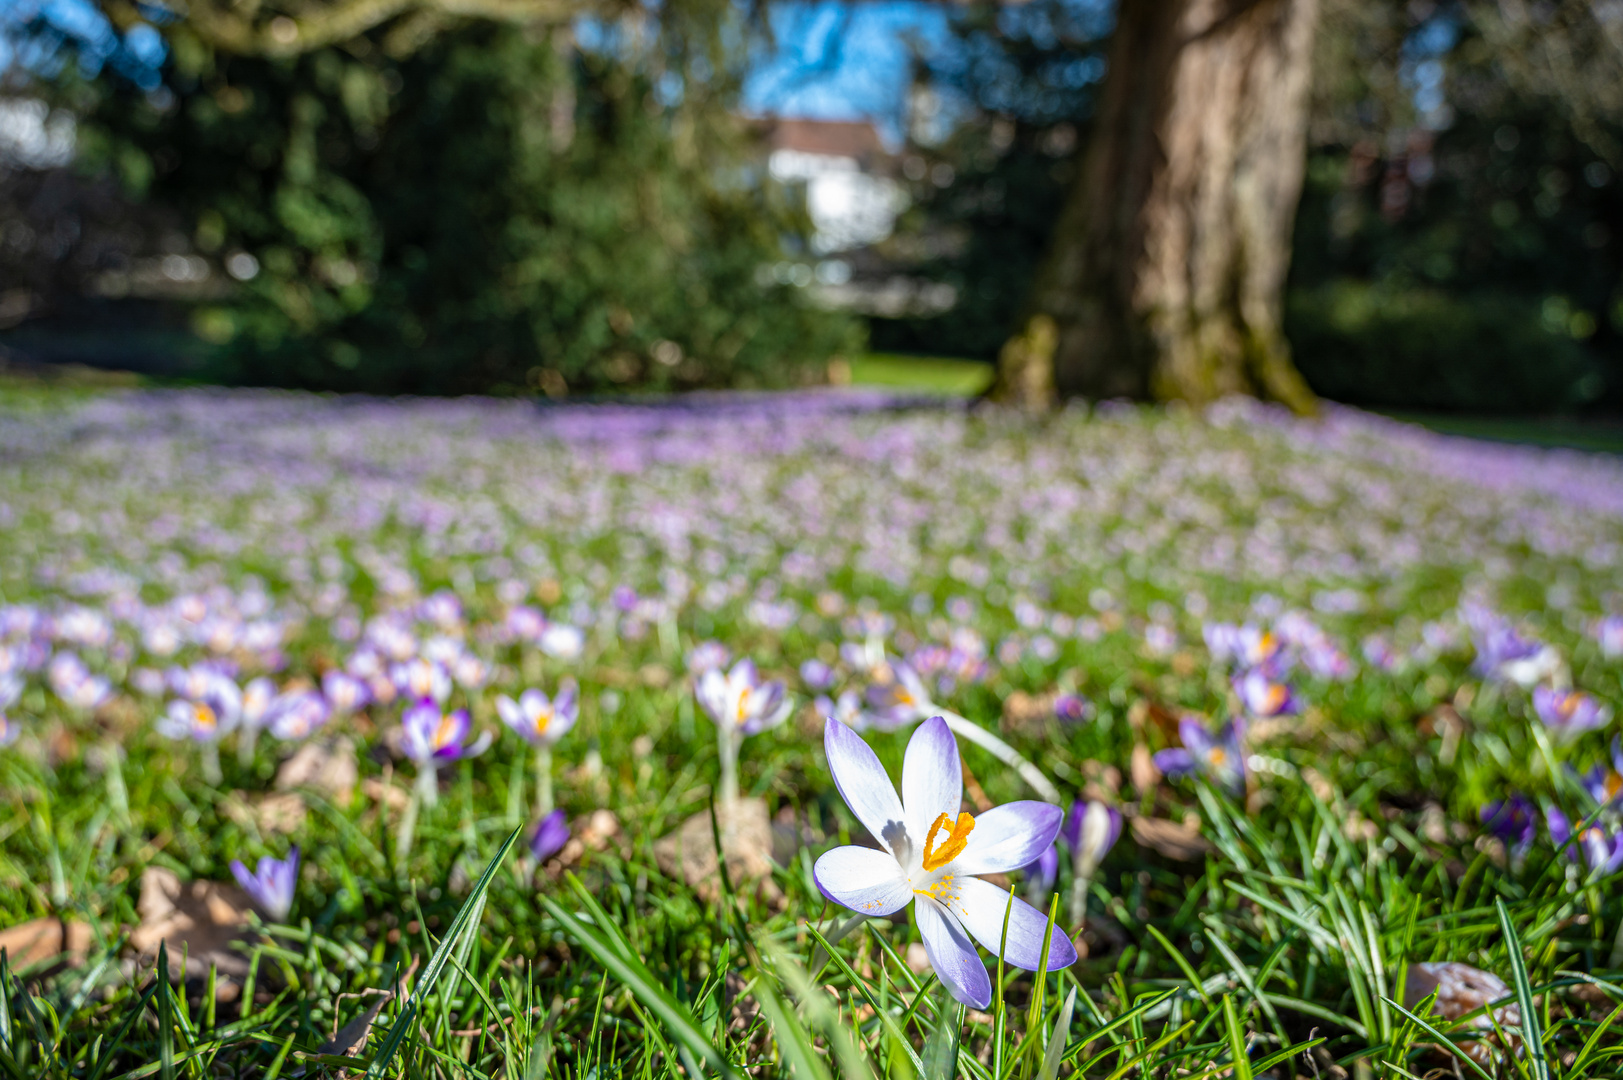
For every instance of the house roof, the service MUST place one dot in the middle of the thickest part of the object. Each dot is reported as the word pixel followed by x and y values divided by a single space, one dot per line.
pixel 835 138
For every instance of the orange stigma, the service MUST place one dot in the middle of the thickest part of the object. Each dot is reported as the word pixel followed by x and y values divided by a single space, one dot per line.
pixel 953 846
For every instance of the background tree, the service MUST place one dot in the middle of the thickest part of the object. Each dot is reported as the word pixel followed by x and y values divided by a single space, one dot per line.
pixel 1167 271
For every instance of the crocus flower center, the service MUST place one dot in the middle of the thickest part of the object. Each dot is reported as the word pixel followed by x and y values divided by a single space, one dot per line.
pixel 1217 756
pixel 1275 698
pixel 445 731
pixel 543 718
pixel 952 846
pixel 1613 785
pixel 743 704
pixel 204 716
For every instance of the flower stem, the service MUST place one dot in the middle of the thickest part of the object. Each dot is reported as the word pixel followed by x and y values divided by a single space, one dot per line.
pixel 727 746
pixel 543 781
pixel 1078 908
pixel 211 764
pixel 1003 752
pixel 247 738
pixel 428 784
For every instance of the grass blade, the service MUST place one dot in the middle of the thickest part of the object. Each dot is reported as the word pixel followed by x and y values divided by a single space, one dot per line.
pixel 1532 1034
pixel 1056 1042
pixel 436 965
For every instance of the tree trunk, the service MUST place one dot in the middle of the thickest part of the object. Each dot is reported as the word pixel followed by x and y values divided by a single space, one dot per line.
pixel 1167 273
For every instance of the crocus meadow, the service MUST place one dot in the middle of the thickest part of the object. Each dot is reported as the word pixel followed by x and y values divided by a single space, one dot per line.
pixel 1179 696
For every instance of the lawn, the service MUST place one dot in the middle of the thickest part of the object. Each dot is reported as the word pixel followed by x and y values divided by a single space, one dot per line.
pixel 1299 721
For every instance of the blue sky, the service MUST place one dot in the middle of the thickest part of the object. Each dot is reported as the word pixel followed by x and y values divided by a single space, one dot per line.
pixel 859 72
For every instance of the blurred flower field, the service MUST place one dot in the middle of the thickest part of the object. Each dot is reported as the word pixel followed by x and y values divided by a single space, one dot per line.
pixel 399 736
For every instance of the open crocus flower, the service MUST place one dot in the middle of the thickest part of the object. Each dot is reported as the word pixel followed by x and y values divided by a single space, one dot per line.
pixel 344 691
pixel 433 737
pixel 257 697
pixel 1220 757
pixel 271 884
pixel 740 704
pixel 420 678
pixel 931 854
pixel 541 721
pixel 538 719
pixel 1602 851
pixel 1609 632
pixel 1262 697
pixel 1569 712
pixel 902 700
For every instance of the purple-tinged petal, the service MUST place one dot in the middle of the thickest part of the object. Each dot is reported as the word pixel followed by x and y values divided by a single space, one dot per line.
pixel 980 906
pixel 1174 762
pixel 1008 837
pixel 866 789
pixel 550 836
pixel 953 955
pixel 867 881
pixel 932 779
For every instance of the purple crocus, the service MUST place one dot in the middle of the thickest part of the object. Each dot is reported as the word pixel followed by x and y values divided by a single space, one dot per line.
pixel 847 709
pixel 1502 652
pixel 1220 758
pixel 11 688
pixel 903 700
pixel 931 854
pixel 817 675
pixel 1569 712
pixel 344 691
pixel 297 714
pixel 1603 851
pixel 1609 632
pixel 740 704
pixel 550 836
pixel 1072 708
pixel 539 719
pixel 1513 820
pixel 1263 697
pixel 433 737
pixel 708 656
pixel 1604 783
pixel 272 883
pixel 1042 872
pixel 1090 831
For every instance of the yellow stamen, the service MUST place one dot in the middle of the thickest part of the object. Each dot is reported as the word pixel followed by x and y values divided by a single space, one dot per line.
pixel 1614 785
pixel 935 858
pixel 204 716
pixel 442 734
pixel 743 704
pixel 1217 755
pixel 542 720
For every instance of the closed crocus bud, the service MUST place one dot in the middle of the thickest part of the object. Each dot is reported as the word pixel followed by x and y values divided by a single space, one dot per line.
pixel 550 836
pixel 1091 830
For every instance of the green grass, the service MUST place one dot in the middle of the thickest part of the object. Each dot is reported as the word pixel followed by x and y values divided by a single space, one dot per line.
pixel 923 374
pixel 1353 852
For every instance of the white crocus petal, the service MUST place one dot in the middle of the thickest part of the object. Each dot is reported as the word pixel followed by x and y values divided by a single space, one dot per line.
pixel 510 712
pixel 932 780
pixel 953 955
pixel 866 789
pixel 712 692
pixel 867 881
pixel 980 906
pixel 1009 837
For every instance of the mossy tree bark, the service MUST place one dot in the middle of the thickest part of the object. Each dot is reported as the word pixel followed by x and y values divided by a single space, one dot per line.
pixel 1167 272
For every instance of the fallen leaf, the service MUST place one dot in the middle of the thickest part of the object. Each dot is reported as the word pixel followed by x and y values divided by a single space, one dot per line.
pixel 197 920
pixel 350 1039
pixel 327 767
pixel 377 791
pixel 1142 768
pixel 1174 839
pixel 1463 989
pixel 39 940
